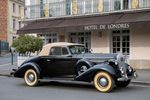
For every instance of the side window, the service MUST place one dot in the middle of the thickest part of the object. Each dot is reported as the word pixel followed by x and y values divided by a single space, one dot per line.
pixel 55 51
pixel 64 51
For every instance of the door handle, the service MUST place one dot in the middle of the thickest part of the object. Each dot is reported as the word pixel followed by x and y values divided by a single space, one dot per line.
pixel 48 60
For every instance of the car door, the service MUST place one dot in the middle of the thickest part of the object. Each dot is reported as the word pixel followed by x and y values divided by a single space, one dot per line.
pixel 59 62
pixel 67 62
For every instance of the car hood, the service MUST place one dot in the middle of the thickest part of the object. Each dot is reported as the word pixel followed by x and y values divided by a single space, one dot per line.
pixel 97 56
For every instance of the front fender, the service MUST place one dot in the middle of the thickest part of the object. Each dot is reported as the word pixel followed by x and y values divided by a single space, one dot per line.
pixel 89 74
pixel 21 71
pixel 85 61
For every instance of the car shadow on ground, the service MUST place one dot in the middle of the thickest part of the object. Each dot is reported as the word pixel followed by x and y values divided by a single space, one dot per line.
pixel 83 86
pixel 68 85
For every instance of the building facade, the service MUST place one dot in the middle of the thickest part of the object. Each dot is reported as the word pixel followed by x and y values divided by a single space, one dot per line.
pixel 11 15
pixel 105 26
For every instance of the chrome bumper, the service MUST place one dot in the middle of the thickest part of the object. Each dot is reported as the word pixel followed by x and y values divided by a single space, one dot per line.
pixel 13 71
pixel 125 77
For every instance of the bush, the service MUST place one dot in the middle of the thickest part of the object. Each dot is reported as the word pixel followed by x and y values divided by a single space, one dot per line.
pixel 25 44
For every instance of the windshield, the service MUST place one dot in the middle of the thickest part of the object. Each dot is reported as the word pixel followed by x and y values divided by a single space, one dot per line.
pixel 77 49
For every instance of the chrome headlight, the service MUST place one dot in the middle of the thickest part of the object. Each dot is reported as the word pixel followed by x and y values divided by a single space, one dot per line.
pixel 122 70
pixel 130 69
pixel 120 58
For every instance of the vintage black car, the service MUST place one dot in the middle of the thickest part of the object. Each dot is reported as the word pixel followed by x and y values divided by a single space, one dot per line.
pixel 75 62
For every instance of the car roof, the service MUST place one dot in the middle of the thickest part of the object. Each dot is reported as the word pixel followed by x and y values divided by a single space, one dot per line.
pixel 61 44
pixel 46 48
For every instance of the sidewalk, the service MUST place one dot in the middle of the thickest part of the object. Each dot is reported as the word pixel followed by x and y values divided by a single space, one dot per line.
pixel 143 75
pixel 7 68
pixel 5 64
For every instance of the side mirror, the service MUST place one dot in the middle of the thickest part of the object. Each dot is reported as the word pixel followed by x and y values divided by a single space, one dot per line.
pixel 89 50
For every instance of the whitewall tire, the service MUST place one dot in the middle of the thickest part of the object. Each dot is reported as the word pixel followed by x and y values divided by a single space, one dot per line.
pixel 103 82
pixel 31 78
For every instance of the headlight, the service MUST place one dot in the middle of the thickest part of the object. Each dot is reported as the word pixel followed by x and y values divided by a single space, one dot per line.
pixel 122 70
pixel 120 58
pixel 116 62
pixel 130 69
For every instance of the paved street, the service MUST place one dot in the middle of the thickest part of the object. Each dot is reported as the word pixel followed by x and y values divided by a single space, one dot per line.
pixel 15 89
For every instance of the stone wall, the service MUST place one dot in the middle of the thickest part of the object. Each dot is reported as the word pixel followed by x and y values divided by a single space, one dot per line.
pixel 3 19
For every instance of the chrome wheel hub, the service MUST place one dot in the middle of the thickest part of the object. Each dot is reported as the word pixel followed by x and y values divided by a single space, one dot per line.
pixel 103 82
pixel 31 77
pixel 83 68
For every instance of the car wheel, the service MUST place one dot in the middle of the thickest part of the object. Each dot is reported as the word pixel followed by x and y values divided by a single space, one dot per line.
pixel 103 82
pixel 31 78
pixel 81 68
pixel 123 83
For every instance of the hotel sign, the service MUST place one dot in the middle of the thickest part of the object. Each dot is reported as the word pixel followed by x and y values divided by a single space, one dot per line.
pixel 107 26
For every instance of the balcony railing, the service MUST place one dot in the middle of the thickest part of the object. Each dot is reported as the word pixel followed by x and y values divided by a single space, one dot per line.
pixel 64 8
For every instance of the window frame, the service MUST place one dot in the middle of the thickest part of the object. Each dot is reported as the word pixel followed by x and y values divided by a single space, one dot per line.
pixel 20 24
pixel 144 3
pixel 49 37
pixel 19 11
pixel 81 38
pixel 67 51
pixel 121 36
pixel 14 7
pixel 14 24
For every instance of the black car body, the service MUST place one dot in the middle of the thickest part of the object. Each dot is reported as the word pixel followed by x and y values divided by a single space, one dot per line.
pixel 73 61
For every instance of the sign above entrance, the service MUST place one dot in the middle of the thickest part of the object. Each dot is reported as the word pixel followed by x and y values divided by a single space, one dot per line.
pixel 108 26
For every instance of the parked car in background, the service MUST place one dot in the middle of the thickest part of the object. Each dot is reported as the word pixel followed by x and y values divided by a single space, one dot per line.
pixel 73 61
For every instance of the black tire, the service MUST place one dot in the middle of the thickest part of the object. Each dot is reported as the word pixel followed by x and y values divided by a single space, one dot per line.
pixel 103 82
pixel 123 83
pixel 31 77
pixel 81 68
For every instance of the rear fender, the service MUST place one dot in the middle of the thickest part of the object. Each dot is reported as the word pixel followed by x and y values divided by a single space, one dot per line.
pixel 21 71
pixel 89 74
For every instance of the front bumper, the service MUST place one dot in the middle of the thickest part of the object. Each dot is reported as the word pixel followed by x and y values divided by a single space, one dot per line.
pixel 125 77
pixel 13 72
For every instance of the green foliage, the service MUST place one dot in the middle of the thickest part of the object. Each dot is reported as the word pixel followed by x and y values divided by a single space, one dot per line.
pixel 26 44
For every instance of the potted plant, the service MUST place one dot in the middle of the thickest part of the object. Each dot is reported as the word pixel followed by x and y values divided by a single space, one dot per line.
pixel 26 46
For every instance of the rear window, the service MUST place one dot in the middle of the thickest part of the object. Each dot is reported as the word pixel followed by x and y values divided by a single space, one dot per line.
pixel 55 51
pixel 59 51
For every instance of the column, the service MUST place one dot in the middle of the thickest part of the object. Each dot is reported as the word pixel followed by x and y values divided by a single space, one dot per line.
pixel 46 10
pixel 22 13
pixel 135 4
pixel 100 6
pixel 74 7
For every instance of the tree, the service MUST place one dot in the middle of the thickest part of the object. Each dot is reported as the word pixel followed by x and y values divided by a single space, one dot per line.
pixel 25 44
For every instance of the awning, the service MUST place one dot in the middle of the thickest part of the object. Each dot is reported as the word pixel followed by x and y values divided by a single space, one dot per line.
pixel 76 23
pixel 135 17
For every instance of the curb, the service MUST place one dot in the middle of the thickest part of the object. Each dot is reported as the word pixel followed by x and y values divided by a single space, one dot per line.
pixel 8 75
pixel 140 83
pixel 5 73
